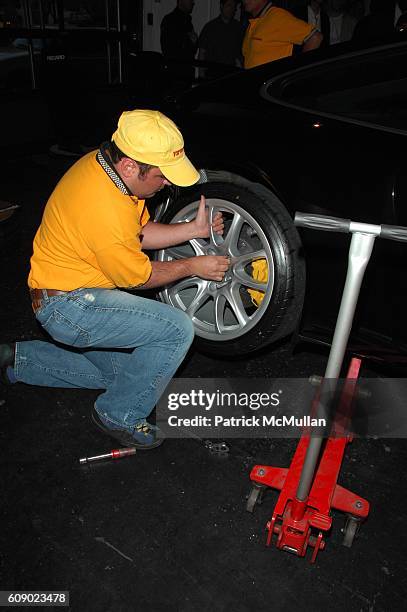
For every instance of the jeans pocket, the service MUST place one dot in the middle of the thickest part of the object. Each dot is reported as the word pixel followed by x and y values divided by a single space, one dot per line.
pixel 63 330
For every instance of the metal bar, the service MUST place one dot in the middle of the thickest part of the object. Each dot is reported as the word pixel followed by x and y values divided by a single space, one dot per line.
pixel 27 18
pixel 29 14
pixel 108 45
pixel 359 255
pixel 119 29
pixel 42 24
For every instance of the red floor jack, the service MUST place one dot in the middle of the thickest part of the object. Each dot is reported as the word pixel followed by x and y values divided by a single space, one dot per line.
pixel 309 489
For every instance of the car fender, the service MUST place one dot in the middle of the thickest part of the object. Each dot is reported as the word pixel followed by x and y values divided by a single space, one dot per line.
pixel 258 183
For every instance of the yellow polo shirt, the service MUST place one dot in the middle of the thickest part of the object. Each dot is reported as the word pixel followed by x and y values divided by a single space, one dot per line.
pixel 89 234
pixel 272 36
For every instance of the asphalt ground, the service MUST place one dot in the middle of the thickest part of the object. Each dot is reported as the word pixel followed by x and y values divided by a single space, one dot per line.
pixel 167 530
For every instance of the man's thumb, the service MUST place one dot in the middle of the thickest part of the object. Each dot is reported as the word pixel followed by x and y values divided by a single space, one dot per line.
pixel 202 204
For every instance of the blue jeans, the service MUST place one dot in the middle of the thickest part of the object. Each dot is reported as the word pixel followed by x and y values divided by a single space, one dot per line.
pixel 107 339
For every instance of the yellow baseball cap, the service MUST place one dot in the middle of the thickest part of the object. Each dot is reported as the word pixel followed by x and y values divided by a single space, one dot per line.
pixel 150 137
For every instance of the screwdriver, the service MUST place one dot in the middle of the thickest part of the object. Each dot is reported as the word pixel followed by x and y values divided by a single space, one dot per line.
pixel 114 454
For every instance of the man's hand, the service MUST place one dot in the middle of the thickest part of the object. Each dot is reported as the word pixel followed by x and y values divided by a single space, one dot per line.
pixel 161 235
pixel 313 42
pixel 201 227
pixel 209 267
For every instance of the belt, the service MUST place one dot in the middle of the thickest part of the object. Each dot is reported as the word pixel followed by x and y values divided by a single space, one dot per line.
pixel 38 295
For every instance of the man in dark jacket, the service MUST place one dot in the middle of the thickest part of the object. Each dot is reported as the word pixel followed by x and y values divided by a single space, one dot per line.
pixel 221 41
pixel 179 40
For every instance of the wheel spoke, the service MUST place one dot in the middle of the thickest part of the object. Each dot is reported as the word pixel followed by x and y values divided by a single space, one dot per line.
pixel 246 280
pixel 235 303
pixel 232 237
pixel 186 283
pixel 245 258
pixel 176 252
pixel 219 308
pixel 220 303
pixel 215 239
pixel 199 299
pixel 198 245
pixel 198 285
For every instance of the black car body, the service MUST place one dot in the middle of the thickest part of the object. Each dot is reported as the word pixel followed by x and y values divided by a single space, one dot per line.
pixel 323 132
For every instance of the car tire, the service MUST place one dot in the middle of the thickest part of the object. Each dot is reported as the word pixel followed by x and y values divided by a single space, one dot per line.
pixel 257 227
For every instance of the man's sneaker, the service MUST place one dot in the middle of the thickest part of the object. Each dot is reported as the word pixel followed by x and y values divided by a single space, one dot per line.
pixel 7 354
pixel 142 436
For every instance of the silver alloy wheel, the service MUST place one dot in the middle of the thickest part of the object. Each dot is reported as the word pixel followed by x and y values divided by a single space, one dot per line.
pixel 222 310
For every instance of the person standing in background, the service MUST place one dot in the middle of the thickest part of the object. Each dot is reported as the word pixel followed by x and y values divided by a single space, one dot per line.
pixel 377 25
pixel 356 8
pixel 179 41
pixel 342 24
pixel 313 12
pixel 221 40
pixel 273 32
pixel 399 10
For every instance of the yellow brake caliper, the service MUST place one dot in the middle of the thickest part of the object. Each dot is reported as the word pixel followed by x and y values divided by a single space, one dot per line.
pixel 259 273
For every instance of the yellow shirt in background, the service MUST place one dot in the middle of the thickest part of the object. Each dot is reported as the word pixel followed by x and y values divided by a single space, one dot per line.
pixel 89 234
pixel 272 36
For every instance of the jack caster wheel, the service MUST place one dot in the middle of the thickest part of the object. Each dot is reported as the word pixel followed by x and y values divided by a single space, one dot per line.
pixel 255 497
pixel 350 530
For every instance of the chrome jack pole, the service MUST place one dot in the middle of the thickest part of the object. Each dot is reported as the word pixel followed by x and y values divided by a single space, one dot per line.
pixel 360 251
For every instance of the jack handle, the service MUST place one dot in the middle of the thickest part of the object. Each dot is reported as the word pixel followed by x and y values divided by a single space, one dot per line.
pixel 336 224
